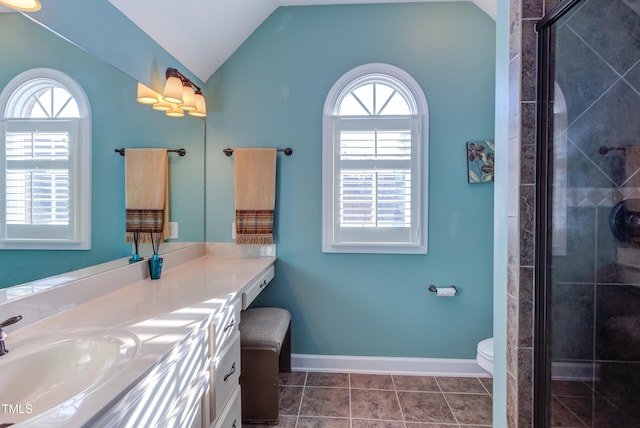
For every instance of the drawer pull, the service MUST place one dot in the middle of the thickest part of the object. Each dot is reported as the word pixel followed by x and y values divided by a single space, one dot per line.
pixel 230 325
pixel 231 372
pixel 264 283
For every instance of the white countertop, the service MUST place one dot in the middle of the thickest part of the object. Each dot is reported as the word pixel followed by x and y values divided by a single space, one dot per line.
pixel 158 313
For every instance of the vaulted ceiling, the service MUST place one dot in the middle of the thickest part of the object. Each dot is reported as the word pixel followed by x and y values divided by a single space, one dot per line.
pixel 202 34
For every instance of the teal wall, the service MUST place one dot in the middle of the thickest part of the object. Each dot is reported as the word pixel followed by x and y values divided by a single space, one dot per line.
pixel 118 121
pixel 271 93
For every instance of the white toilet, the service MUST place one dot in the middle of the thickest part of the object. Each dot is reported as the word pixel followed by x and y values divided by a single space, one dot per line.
pixel 484 357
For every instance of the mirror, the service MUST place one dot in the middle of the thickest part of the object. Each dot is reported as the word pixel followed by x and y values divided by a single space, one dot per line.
pixel 118 121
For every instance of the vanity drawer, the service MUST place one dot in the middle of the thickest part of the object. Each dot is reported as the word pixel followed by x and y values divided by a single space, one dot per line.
pixel 223 326
pixel 190 407
pixel 252 290
pixel 231 416
pixel 225 375
pixel 191 360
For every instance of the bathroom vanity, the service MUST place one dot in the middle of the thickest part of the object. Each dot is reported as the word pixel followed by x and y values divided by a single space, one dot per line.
pixel 140 352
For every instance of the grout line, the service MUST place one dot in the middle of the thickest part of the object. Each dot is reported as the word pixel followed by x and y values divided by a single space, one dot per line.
pixel 567 408
pixel 350 408
pixel 304 385
pixel 455 418
pixel 485 387
pixel 395 390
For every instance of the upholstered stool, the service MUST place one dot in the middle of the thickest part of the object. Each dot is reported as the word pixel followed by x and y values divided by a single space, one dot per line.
pixel 265 346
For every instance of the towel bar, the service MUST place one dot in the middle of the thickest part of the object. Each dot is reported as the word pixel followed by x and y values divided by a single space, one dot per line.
pixel 181 152
pixel 288 151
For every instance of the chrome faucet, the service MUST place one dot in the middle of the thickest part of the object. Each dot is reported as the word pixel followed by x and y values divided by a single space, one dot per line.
pixel 3 335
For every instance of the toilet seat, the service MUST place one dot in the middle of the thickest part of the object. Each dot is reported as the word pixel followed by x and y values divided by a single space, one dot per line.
pixel 484 357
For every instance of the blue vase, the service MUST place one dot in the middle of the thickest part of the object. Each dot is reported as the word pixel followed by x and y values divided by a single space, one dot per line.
pixel 155 266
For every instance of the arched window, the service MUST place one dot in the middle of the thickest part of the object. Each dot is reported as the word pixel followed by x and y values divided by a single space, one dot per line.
pixel 45 161
pixel 375 163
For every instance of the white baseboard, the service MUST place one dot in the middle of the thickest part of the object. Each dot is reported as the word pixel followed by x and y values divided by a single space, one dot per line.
pixel 387 365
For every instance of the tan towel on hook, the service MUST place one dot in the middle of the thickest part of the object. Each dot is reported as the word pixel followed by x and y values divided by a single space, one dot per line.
pixel 147 194
pixel 255 194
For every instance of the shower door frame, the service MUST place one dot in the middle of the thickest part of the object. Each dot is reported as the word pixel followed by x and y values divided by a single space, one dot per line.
pixel 544 177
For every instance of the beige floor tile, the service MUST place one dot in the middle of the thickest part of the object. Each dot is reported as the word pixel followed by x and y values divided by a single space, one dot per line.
pixel 364 423
pixel 488 383
pixel 375 404
pixel 461 384
pixel 293 378
pixel 309 422
pixel 415 383
pixel 289 398
pixel 471 409
pixel 430 425
pixel 340 380
pixel 371 381
pixel 425 407
pixel 328 402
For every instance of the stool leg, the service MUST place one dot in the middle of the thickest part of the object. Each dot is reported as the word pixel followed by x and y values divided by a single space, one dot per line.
pixel 284 359
pixel 259 383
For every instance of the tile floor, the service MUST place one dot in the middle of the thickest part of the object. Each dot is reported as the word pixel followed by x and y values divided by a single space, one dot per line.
pixel 579 405
pixel 343 400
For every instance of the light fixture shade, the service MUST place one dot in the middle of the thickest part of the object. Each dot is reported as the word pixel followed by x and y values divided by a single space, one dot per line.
pixel 188 99
pixel 173 90
pixel 161 105
pixel 23 5
pixel 201 107
pixel 175 111
pixel 146 95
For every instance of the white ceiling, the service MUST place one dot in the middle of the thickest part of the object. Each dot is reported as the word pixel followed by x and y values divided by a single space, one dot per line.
pixel 202 34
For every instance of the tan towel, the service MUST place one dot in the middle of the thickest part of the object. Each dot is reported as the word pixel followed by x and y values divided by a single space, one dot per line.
pixel 255 193
pixel 147 194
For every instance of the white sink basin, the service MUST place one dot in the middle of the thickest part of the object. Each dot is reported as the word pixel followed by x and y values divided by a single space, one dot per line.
pixel 37 377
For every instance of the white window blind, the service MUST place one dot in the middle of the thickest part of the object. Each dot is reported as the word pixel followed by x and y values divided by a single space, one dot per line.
pixel 38 170
pixel 45 160
pixel 372 167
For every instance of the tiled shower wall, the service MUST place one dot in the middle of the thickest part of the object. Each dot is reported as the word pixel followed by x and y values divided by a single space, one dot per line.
pixel 524 14
pixel 605 44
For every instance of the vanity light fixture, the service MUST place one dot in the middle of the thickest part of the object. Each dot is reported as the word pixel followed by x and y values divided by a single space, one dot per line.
pixel 188 98
pixel 146 95
pixel 180 95
pixel 161 105
pixel 201 107
pixel 175 111
pixel 23 5
pixel 173 88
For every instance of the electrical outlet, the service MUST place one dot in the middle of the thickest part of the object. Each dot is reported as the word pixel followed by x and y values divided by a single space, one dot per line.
pixel 173 230
pixel 233 230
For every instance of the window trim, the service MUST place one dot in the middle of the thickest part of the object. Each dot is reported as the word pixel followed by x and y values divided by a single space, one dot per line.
pixel 82 175
pixel 345 84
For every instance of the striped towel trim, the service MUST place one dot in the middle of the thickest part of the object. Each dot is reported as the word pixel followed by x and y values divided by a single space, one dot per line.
pixel 254 227
pixel 143 221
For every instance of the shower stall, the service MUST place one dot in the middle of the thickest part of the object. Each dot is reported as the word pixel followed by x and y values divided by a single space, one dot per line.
pixel 587 295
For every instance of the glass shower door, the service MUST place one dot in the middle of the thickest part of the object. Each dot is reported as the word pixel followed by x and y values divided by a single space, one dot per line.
pixel 587 356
